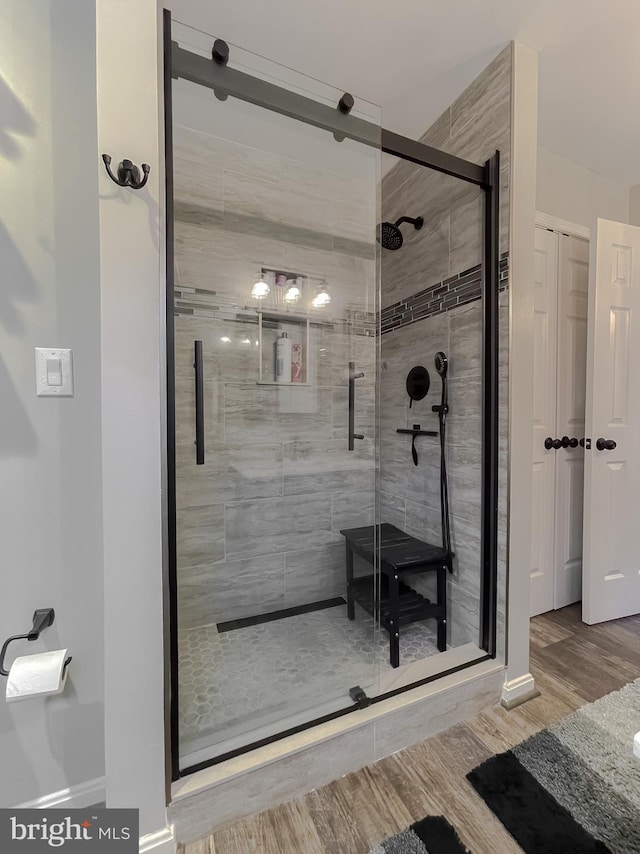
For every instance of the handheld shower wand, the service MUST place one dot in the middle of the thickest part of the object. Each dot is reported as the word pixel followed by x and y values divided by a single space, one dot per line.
pixel 441 365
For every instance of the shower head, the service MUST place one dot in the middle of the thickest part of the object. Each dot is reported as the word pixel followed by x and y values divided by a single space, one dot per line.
pixel 441 363
pixel 389 234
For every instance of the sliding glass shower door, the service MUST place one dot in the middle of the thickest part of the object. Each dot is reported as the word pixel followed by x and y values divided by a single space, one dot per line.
pixel 275 359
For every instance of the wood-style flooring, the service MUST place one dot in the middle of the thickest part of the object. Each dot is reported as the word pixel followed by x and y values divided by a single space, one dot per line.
pixel 572 663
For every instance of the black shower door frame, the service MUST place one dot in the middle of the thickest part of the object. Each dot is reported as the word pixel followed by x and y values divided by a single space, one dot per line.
pixel 226 81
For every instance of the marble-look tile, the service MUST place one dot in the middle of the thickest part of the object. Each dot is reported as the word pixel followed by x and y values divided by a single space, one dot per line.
pixel 196 816
pixel 269 204
pixel 423 522
pixel 464 471
pixel 392 509
pixel 439 132
pixel 222 260
pixel 479 138
pixel 414 723
pixel 422 260
pixel 185 414
pixel 271 414
pixel 467 234
pixel 401 477
pixel 314 574
pixel 491 88
pixel 325 466
pixel 197 187
pixel 352 508
pixel 229 348
pixel 503 321
pixel 463 625
pixel 200 535
pixel 354 221
pixel 333 349
pixel 231 472
pixel 505 200
pixel 336 267
pixel 403 170
pixel 364 411
pixel 465 542
pixel 465 341
pixel 276 525
pixel 230 590
pixel 464 422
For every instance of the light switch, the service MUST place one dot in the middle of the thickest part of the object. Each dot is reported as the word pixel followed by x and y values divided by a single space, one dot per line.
pixel 54 372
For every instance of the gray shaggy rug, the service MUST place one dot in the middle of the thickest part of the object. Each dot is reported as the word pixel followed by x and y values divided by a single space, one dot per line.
pixel 432 835
pixel 575 786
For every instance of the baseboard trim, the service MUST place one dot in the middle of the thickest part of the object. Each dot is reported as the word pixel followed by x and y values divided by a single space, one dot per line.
pixel 75 797
pixel 515 692
pixel 160 841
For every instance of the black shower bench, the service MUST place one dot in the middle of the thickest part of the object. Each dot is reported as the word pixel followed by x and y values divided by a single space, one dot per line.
pixel 399 604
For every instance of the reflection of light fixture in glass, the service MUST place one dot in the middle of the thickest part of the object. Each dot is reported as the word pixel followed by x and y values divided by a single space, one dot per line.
pixel 261 288
pixel 246 340
pixel 292 294
pixel 225 339
pixel 322 296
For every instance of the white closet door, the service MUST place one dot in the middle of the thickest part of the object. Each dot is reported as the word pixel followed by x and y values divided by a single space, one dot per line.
pixel 544 419
pixel 573 294
pixel 611 578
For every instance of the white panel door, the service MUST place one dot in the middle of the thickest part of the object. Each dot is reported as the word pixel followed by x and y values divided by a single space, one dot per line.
pixel 611 557
pixel 544 419
pixel 573 296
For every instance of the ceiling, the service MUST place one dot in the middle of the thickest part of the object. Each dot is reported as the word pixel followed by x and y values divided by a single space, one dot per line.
pixel 414 57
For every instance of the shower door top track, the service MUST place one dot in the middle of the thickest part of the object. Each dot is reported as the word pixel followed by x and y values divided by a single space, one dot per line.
pixel 227 81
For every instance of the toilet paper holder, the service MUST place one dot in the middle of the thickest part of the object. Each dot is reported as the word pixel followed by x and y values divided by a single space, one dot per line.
pixel 42 619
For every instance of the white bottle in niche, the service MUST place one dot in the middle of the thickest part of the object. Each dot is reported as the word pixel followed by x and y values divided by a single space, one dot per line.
pixel 283 359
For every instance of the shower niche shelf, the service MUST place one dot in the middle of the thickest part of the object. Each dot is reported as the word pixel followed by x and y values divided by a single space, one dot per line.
pixel 271 326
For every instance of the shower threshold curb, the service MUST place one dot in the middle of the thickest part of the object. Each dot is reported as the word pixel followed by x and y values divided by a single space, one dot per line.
pixel 190 793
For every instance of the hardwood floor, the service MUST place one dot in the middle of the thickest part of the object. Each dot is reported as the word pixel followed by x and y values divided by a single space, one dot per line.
pixel 573 664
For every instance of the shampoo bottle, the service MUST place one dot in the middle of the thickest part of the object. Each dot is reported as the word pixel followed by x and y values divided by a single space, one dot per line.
pixel 283 359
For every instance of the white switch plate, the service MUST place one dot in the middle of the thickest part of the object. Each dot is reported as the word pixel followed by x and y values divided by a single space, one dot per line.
pixel 54 372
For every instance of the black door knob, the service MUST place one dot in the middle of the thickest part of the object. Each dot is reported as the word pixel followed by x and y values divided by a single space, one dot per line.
pixel 586 443
pixel 569 443
pixel 606 444
pixel 552 443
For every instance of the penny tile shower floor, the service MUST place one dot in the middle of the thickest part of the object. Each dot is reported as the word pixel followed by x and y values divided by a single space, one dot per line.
pixel 231 681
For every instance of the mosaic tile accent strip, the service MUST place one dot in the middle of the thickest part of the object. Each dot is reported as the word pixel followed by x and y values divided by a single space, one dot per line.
pixel 235 681
pixel 442 296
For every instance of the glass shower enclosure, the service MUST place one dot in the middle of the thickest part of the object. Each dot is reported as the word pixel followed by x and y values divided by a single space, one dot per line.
pixel 275 414
pixel 274 339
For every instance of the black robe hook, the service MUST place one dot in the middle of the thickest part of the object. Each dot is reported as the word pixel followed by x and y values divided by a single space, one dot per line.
pixel 128 173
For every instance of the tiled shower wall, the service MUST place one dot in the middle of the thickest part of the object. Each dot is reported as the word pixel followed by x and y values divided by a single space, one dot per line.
pixel 258 524
pixel 430 302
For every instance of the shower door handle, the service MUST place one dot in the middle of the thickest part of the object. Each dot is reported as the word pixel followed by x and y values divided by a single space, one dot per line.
pixel 352 404
pixel 199 371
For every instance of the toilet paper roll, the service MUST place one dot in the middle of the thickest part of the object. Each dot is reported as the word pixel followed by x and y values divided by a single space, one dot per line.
pixel 39 675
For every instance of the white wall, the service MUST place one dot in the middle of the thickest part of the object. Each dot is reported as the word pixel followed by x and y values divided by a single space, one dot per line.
pixel 571 192
pixel 130 92
pixel 50 471
pixel 520 683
